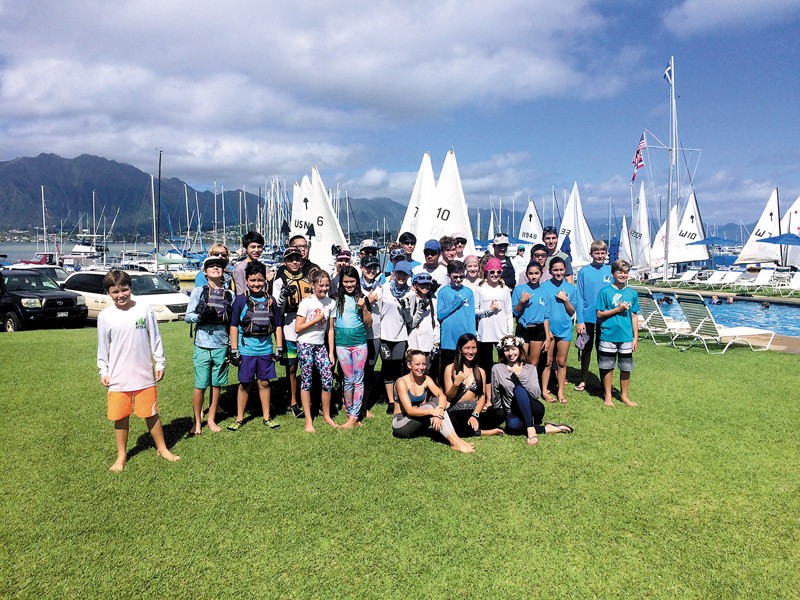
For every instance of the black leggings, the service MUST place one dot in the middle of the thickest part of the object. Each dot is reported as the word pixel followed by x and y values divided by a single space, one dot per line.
pixel 462 411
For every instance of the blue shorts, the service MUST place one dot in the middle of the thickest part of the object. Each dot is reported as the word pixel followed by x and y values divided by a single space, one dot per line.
pixel 609 354
pixel 261 368
pixel 210 367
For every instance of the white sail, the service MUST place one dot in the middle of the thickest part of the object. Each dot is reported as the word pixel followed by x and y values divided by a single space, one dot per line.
pixel 530 230
pixel 690 230
pixel 575 227
pixel 447 214
pixel 625 242
pixel 658 249
pixel 312 213
pixel 790 223
pixel 639 232
pixel 491 232
pixel 422 194
pixel 768 225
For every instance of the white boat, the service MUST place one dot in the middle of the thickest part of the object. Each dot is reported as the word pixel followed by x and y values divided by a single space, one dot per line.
pixel 790 223
pixel 421 195
pixel 314 217
pixel 639 232
pixel 575 227
pixel 447 214
pixel 755 251
pixel 625 242
pixel 530 229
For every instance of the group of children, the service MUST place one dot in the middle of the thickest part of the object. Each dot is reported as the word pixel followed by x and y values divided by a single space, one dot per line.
pixel 435 326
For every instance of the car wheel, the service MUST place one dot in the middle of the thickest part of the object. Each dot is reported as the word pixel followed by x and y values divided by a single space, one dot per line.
pixel 11 323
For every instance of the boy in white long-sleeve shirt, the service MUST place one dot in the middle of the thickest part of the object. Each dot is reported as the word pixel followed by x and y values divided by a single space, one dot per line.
pixel 128 343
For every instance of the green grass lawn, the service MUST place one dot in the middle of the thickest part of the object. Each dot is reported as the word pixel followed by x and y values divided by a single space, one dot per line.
pixel 694 494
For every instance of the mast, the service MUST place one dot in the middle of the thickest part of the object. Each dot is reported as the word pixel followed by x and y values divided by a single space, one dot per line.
pixel 215 211
pixel 44 221
pixel 158 212
pixel 188 222
pixel 669 75
pixel 155 223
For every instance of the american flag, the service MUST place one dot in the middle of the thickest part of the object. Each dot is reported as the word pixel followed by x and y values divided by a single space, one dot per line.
pixel 638 161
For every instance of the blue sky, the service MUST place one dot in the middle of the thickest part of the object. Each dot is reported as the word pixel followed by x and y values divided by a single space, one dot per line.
pixel 530 94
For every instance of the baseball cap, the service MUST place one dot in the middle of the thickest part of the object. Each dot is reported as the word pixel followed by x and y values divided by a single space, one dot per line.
pixel 422 278
pixel 520 248
pixel 500 238
pixel 403 267
pixel 291 251
pixel 214 260
pixel 433 245
pixel 368 244
pixel 370 261
pixel 344 254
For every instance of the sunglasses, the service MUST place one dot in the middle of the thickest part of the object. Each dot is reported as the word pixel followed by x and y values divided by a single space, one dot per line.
pixel 220 254
pixel 457 276
pixel 494 272
pixel 301 247
pixel 540 255
pixel 370 252
pixel 461 242
pixel 430 252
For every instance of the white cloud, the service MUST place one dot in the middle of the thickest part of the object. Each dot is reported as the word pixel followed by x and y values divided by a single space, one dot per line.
pixel 692 16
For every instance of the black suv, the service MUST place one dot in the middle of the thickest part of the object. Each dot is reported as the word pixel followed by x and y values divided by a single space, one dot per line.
pixel 29 299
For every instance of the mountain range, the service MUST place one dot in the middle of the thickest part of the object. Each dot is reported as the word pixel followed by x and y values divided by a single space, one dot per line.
pixel 123 191
pixel 123 196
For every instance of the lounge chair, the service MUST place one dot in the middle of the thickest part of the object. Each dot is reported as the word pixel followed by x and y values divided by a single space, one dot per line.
pixel 684 279
pixel 713 280
pixel 793 286
pixel 729 280
pixel 703 328
pixel 762 280
pixel 653 322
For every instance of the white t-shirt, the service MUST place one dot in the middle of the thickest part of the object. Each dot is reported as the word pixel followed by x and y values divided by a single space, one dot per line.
pixel 493 326
pixel 424 332
pixel 128 343
pixel 438 274
pixel 309 308
pixel 393 315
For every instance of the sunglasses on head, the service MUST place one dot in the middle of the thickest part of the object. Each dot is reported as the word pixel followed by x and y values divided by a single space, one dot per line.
pixel 550 229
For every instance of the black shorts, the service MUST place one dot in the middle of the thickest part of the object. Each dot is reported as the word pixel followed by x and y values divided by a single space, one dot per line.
pixel 531 333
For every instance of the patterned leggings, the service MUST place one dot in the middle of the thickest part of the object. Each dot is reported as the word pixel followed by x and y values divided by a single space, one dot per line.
pixel 352 359
pixel 309 355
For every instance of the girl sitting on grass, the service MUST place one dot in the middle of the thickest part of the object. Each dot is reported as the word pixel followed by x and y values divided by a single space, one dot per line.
pixel 515 391
pixel 422 404
pixel 464 388
pixel 353 318
pixel 314 327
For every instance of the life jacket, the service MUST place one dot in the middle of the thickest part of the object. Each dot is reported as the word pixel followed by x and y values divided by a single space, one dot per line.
pixel 258 320
pixel 219 300
pixel 297 287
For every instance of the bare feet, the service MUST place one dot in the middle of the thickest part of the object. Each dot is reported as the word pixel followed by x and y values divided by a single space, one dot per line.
pixel 119 464
pixel 609 402
pixel 628 402
pixel 562 400
pixel 330 422
pixel 310 429
pixel 350 423
pixel 213 426
pixel 581 387
pixel 370 415
pixel 548 398
pixel 196 430
pixel 463 447
pixel 168 455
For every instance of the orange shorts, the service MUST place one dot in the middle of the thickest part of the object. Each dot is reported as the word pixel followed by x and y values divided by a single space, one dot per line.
pixel 143 401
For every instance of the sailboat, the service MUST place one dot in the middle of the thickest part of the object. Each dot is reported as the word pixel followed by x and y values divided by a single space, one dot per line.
pixel 657 252
pixel 530 230
pixel 575 227
pixel 625 252
pixel 491 232
pixel 768 225
pixel 447 214
pixel 790 223
pixel 639 232
pixel 421 195
pixel 314 217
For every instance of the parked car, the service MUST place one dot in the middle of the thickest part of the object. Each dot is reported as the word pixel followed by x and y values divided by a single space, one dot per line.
pixel 52 271
pixel 29 299
pixel 147 288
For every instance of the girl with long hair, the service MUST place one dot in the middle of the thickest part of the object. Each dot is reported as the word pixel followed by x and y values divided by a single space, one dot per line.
pixel 464 387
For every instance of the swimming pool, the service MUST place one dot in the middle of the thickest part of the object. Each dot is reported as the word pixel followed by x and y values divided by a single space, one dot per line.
pixel 780 318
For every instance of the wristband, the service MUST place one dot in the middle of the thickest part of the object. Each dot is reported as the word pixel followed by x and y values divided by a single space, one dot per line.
pixel 476 415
